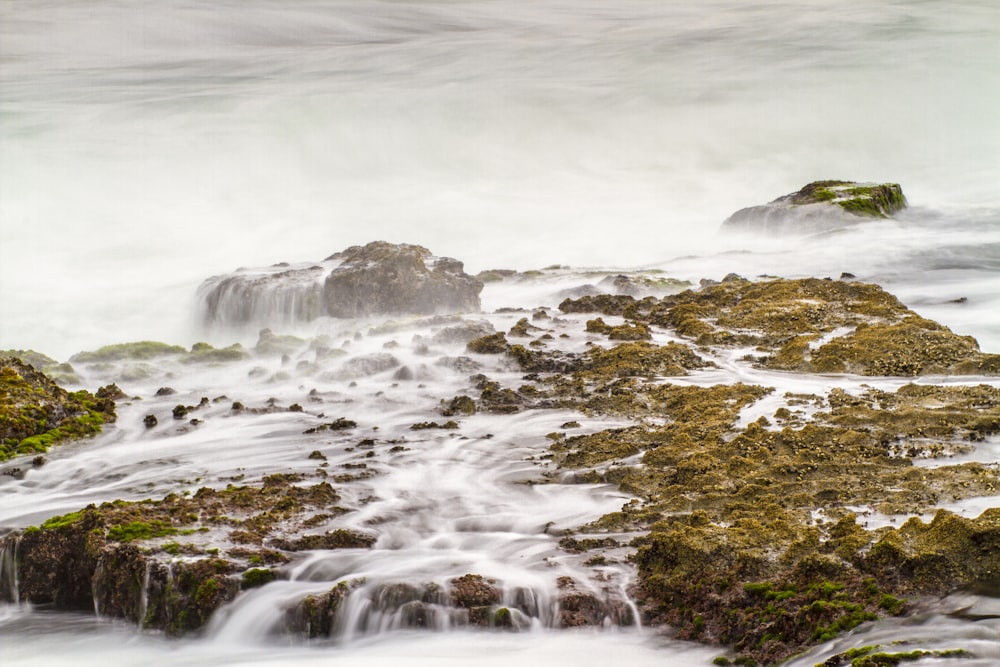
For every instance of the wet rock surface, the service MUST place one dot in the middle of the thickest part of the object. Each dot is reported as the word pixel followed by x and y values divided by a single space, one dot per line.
pixel 820 205
pixel 379 278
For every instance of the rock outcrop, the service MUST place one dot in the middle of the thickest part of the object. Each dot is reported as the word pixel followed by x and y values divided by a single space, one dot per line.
pixel 35 413
pixel 376 279
pixel 819 206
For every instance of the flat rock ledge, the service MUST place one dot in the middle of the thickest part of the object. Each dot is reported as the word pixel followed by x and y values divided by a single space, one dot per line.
pixel 379 278
pixel 819 206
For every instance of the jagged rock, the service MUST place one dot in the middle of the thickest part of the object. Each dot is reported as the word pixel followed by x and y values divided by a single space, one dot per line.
pixel 819 206
pixel 379 278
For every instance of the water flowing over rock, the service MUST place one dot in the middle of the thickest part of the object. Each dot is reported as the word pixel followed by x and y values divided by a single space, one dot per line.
pixel 820 206
pixel 376 279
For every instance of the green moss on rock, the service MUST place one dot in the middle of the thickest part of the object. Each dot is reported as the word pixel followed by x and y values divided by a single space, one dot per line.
pixel 141 350
pixel 36 414
pixel 491 344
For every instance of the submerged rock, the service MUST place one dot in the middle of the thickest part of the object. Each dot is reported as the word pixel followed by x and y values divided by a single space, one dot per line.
pixel 819 206
pixel 379 278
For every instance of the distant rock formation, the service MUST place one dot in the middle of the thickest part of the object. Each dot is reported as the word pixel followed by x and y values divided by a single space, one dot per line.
pixel 379 278
pixel 819 206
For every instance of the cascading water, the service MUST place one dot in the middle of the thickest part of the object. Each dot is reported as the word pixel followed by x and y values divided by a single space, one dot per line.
pixel 267 297
pixel 144 596
pixel 8 570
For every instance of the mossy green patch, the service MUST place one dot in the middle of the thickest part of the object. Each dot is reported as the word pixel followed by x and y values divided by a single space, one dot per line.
pixel 140 530
pixel 875 200
pixel 256 577
pixel 62 521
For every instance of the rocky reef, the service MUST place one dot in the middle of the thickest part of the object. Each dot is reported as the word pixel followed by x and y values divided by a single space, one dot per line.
pixel 819 206
pixel 379 278
pixel 810 325
pixel 761 520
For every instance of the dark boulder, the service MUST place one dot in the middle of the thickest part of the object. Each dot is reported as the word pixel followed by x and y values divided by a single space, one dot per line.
pixel 384 278
pixel 379 278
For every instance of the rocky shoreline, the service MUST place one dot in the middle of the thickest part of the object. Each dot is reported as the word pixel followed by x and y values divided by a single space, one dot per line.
pixel 746 518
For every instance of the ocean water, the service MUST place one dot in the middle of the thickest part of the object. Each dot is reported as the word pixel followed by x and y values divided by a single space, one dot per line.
pixel 147 146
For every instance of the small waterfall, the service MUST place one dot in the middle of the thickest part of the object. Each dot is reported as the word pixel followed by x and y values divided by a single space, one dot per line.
pixel 144 596
pixel 8 568
pixel 279 295
pixel 350 610
pixel 632 607
pixel 95 586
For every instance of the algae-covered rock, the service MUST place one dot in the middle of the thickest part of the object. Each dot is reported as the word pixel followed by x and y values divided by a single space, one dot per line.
pixel 141 350
pixel 31 357
pixel 940 556
pixel 100 556
pixel 71 563
pixel 203 353
pixel 316 615
pixel 35 413
pixel 806 325
pixel 376 279
pixel 820 205
pixel 733 554
pixel 915 346
pixel 495 343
